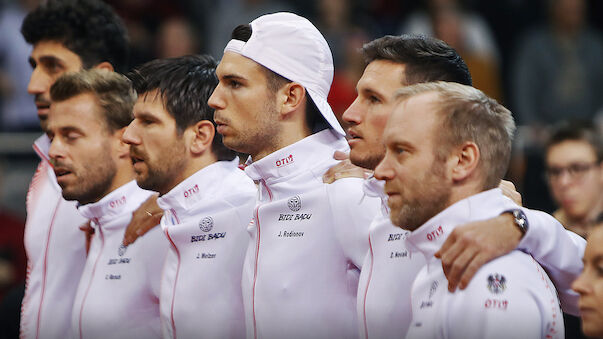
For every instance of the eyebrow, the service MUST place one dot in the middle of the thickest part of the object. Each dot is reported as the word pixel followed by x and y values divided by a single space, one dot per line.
pixel 233 77
pixel 145 115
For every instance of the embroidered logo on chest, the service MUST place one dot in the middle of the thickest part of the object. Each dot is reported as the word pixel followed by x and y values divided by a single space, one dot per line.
pixel 206 224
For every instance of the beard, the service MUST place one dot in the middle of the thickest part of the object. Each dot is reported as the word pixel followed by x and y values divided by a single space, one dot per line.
pixel 368 161
pixel 160 173
pixel 94 179
pixel 431 196
pixel 263 138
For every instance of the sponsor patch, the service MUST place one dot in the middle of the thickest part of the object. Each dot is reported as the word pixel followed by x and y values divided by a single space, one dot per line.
pixel 497 283
pixel 206 224
pixel 294 203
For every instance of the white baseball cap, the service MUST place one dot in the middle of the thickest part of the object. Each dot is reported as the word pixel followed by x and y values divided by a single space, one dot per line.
pixel 292 47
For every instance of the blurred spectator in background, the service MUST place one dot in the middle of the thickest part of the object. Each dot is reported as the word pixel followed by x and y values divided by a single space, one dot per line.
pixel 468 33
pixel 574 169
pixel 590 284
pixel 343 90
pixel 176 37
pixel 17 112
pixel 226 14
pixel 345 39
pixel 558 69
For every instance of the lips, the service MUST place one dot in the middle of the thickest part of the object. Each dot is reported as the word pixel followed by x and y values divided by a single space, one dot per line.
pixel 42 105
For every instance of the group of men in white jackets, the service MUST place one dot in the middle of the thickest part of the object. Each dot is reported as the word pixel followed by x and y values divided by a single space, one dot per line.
pixel 273 251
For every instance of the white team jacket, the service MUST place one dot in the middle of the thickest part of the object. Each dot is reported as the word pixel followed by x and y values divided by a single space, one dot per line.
pixel 205 221
pixel 390 267
pixel 388 272
pixel 509 297
pixel 56 253
pixel 118 294
pixel 308 239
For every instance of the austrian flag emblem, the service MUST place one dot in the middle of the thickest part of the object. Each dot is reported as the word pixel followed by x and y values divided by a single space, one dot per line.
pixel 497 283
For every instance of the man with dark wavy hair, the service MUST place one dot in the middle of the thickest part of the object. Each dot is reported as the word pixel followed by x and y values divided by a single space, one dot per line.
pixel 207 200
pixel 66 35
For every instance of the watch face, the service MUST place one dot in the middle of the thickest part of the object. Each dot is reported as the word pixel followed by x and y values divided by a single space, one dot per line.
pixel 520 219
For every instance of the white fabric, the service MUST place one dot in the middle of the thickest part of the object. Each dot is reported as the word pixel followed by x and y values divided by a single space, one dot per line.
pixel 292 47
pixel 388 272
pixel 509 297
pixel 559 251
pixel 118 294
pixel 56 253
pixel 205 220
pixel 300 277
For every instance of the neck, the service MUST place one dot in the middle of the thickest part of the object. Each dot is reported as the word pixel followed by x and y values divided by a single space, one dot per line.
pixel 464 190
pixel 289 134
pixel 124 174
pixel 193 166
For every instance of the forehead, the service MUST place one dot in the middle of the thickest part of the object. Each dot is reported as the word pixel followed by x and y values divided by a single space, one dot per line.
pixel 416 116
pixel 571 151
pixel 79 110
pixel 234 64
pixel 593 249
pixel 152 103
pixel 382 76
pixel 49 48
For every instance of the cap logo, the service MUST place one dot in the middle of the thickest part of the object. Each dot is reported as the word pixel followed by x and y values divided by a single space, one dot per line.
pixel 295 203
pixel 206 224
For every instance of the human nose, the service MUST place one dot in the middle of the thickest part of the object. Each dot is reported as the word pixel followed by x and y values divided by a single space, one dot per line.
pixel 130 135
pixel 353 115
pixel 38 82
pixel 384 170
pixel 215 100
pixel 580 285
pixel 57 149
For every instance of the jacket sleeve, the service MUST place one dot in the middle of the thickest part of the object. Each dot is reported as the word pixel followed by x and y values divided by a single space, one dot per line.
pixel 352 213
pixel 559 251
pixel 512 311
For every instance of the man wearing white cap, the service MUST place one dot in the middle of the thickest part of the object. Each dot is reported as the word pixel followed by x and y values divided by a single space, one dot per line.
pixel 308 238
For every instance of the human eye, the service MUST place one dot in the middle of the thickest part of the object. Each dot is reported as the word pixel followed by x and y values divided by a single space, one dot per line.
pixel 373 99
pixel 72 136
pixel 234 84
pixel 53 67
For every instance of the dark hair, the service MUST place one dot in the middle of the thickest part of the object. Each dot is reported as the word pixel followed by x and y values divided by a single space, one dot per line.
pixel 426 59
pixel 185 85
pixel 88 28
pixel 576 130
pixel 314 119
pixel 113 91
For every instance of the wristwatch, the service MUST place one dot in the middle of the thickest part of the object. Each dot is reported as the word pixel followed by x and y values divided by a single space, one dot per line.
pixel 520 219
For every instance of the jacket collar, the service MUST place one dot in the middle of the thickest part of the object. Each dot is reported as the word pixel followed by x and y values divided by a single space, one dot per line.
pixel 202 184
pixel 42 146
pixel 125 199
pixel 429 237
pixel 297 158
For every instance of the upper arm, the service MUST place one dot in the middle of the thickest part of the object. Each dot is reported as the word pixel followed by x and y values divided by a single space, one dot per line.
pixel 559 251
pixel 352 214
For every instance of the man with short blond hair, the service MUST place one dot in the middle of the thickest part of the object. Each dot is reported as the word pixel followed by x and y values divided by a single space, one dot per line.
pixel 441 173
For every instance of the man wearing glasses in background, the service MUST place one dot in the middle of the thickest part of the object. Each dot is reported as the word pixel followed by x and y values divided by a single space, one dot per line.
pixel 574 168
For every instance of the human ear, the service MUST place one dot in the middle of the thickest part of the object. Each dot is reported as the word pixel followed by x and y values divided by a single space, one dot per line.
pixel 464 161
pixel 202 136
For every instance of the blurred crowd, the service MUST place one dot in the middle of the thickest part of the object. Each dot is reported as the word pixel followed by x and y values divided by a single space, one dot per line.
pixel 543 59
